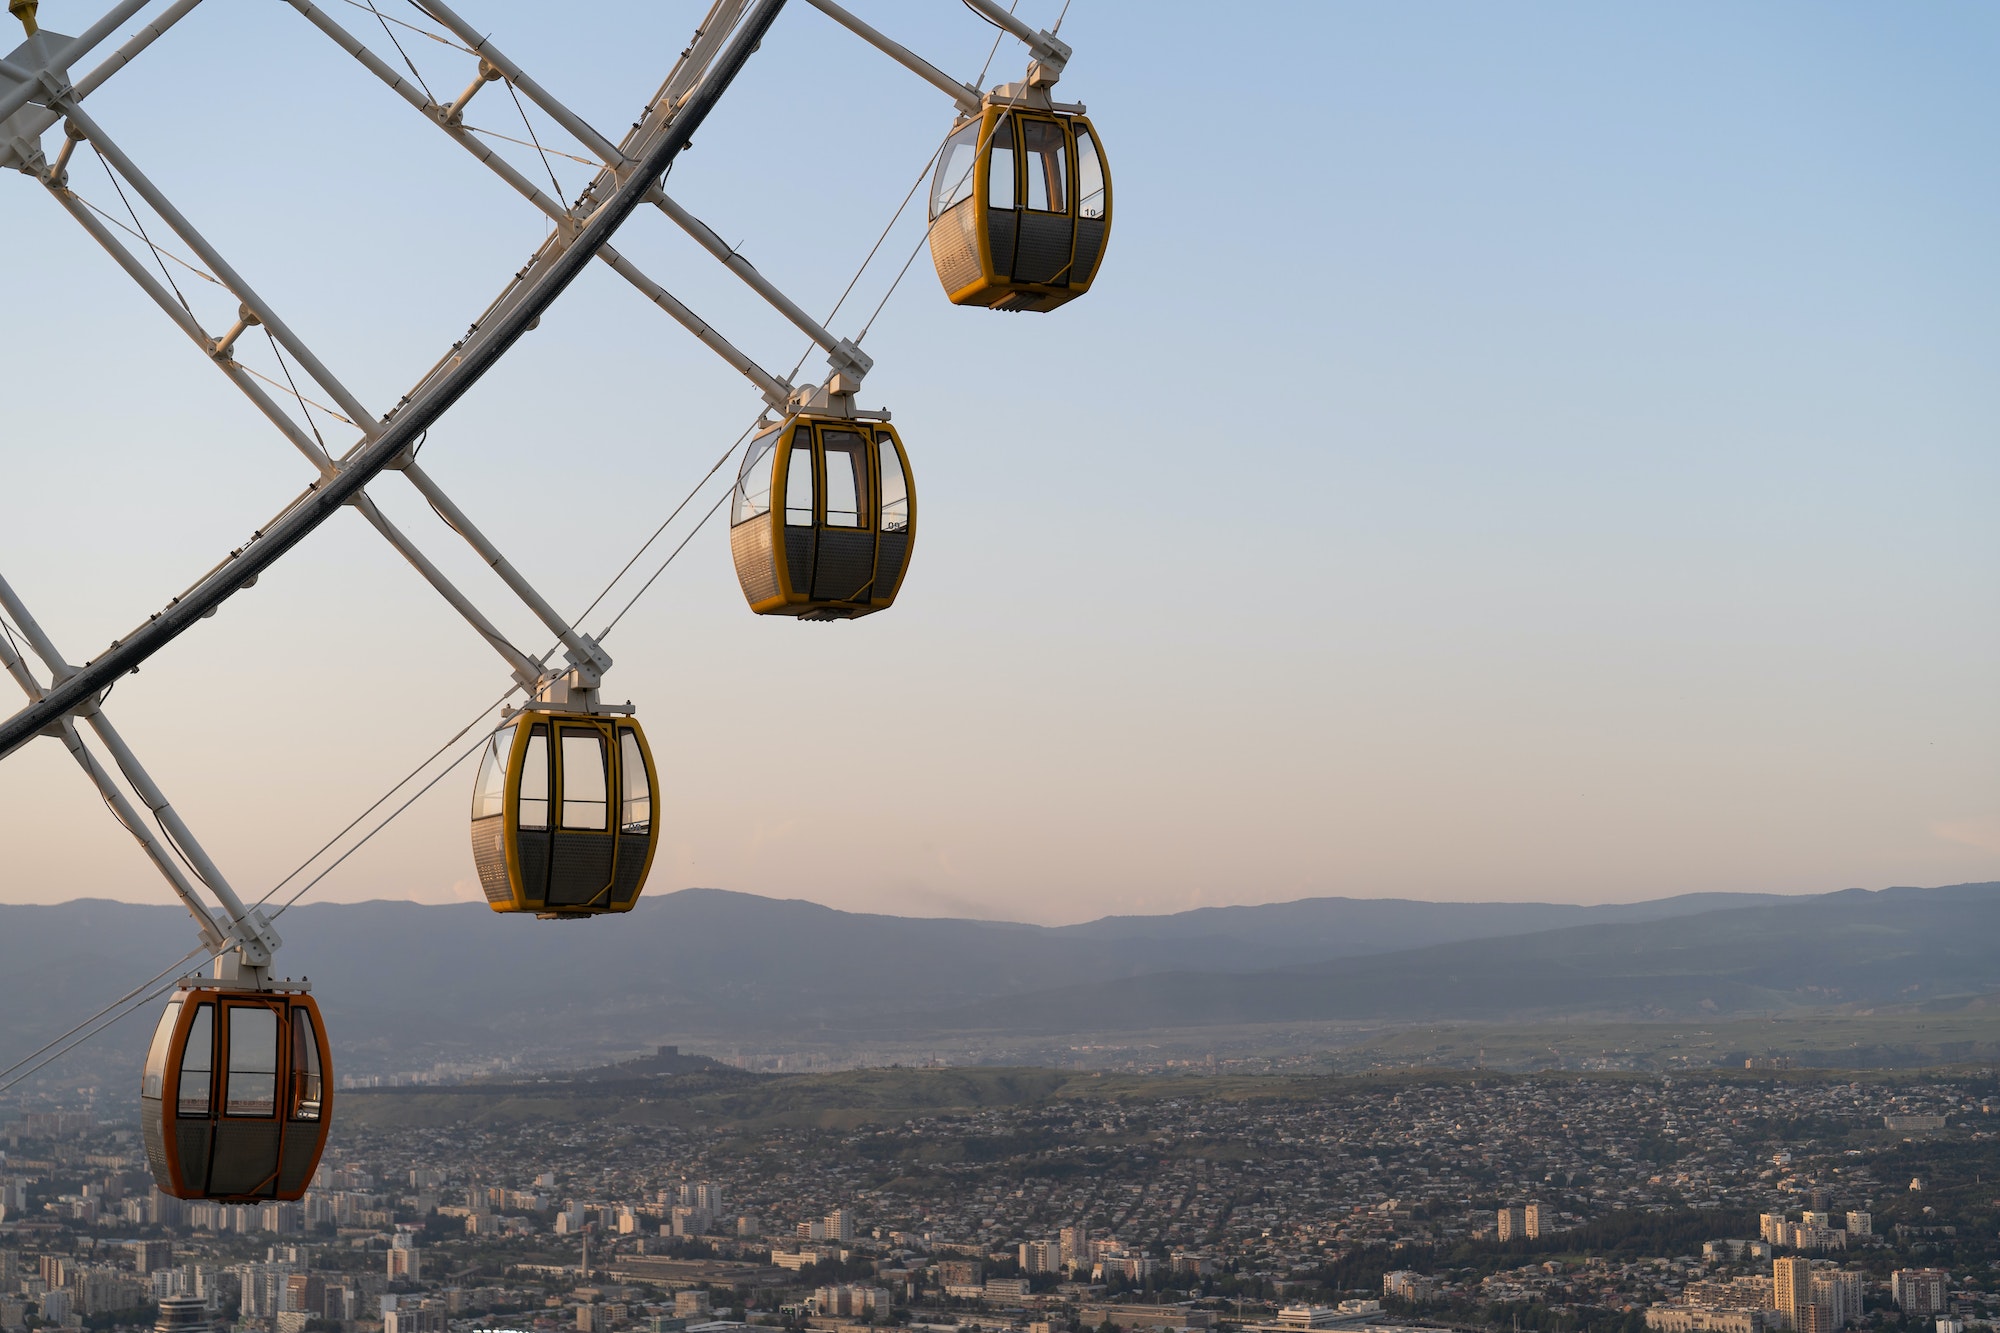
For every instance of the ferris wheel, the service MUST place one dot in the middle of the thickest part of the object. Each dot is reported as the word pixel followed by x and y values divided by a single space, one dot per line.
pixel 237 1087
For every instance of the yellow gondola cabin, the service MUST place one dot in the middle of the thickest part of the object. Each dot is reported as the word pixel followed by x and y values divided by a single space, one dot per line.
pixel 823 518
pixel 562 814
pixel 1020 208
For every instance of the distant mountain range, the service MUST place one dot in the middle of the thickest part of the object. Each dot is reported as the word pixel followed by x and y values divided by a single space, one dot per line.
pixel 404 984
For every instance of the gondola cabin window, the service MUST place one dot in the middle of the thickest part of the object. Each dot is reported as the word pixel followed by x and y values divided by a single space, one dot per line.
pixel 1000 173
pixel 895 487
pixel 635 806
pixel 583 779
pixel 1089 176
pixel 753 486
pixel 154 1082
pixel 252 1089
pixel 489 793
pixel 955 177
pixel 799 480
pixel 534 794
pixel 846 453
pixel 306 1086
pixel 196 1059
pixel 1042 144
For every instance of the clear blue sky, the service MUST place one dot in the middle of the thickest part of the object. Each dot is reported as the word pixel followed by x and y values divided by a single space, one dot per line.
pixel 1511 451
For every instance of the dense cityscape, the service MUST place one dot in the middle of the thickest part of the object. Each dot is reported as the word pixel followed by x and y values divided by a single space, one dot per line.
pixel 1771 1201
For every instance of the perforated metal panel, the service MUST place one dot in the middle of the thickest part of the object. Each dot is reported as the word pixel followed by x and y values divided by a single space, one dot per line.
pixel 150 1114
pixel 581 869
pixel 846 566
pixel 296 1160
pixel 1000 229
pixel 631 865
pixel 955 247
pixel 246 1157
pixel 533 851
pixel 191 1144
pixel 750 544
pixel 489 857
pixel 1042 254
pixel 799 557
pixel 891 555
pixel 1089 244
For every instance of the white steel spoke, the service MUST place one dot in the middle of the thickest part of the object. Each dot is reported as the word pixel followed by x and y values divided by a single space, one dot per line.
pixel 256 311
pixel 965 96
pixel 774 391
pixel 251 934
pixel 524 668
pixel 846 356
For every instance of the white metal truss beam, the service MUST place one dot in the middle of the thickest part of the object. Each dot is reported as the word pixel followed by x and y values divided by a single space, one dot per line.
pixel 847 358
pixel 39 85
pixel 967 98
pixel 584 652
pixel 523 667
pixel 774 390
pixel 252 937
pixel 461 372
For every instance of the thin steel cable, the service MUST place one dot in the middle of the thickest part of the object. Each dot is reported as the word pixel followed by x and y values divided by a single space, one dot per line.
pixel 546 165
pixel 311 425
pixel 897 216
pixel 158 250
pixel 663 565
pixel 548 152
pixel 134 999
pixel 1013 103
pixel 421 32
pixel 727 454
pixel 292 389
pixel 382 800
pixel 11 1069
pixel 113 177
pixel 407 62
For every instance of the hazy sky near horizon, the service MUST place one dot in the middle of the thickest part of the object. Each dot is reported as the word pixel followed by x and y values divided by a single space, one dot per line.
pixel 1510 452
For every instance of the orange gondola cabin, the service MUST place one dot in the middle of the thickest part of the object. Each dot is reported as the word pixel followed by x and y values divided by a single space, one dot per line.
pixel 237 1094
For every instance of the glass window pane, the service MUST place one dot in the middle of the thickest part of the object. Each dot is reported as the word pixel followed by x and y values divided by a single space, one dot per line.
pixel 156 1056
pixel 1089 176
pixel 1000 176
pixel 195 1063
pixel 583 778
pixel 489 792
pixel 753 483
pixel 534 803
pixel 895 486
pixel 799 479
pixel 1042 144
pixel 846 478
pixel 252 1088
pixel 953 182
pixel 305 1066
pixel 635 793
